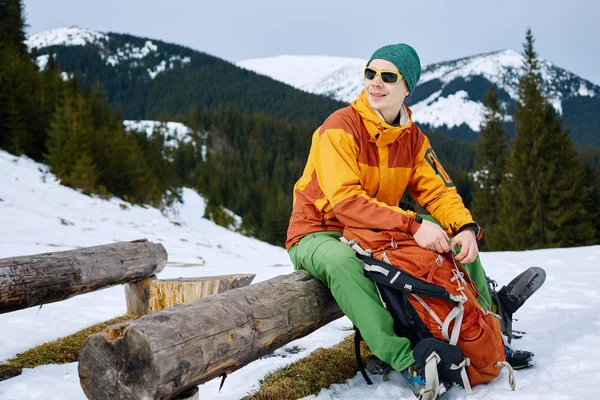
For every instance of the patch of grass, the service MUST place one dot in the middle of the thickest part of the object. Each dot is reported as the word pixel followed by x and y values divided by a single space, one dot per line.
pixel 59 351
pixel 319 370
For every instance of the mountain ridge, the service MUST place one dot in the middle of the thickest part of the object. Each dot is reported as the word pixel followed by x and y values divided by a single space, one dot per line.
pixel 147 77
pixel 449 94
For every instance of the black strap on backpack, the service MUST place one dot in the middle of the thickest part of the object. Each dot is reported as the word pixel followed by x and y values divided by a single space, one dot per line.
pixel 394 287
pixel 361 367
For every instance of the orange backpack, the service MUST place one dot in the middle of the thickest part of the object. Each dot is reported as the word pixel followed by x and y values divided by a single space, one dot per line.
pixel 476 331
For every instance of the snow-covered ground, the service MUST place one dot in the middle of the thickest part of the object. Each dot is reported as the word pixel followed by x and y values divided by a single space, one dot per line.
pixel 38 215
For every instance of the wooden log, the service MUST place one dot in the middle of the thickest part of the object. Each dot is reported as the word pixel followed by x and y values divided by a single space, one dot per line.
pixel 163 354
pixel 45 278
pixel 153 294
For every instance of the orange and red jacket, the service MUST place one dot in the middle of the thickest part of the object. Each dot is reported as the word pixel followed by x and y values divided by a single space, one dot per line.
pixel 358 169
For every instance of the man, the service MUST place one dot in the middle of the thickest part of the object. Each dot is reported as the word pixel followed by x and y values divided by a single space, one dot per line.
pixel 361 161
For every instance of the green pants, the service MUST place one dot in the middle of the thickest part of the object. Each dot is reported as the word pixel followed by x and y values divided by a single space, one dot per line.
pixel 336 265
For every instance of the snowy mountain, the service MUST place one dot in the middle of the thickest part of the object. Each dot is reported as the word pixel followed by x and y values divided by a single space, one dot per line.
pixel 130 54
pixel 147 78
pixel 39 215
pixel 449 95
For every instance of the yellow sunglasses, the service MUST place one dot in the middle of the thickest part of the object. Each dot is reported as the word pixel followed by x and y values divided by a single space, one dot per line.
pixel 389 77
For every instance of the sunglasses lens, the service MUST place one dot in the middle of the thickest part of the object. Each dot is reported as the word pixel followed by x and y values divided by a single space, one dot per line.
pixel 390 77
pixel 370 73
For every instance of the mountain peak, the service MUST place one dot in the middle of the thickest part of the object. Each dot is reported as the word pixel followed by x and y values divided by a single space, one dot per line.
pixel 449 93
pixel 292 69
pixel 71 36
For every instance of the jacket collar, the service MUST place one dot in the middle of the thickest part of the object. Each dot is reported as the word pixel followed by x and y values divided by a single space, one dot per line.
pixel 380 131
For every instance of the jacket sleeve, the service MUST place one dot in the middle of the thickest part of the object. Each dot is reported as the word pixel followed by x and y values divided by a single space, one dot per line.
pixel 434 190
pixel 336 165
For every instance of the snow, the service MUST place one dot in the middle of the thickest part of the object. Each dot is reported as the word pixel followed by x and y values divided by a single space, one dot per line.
pixel 72 36
pixel 557 104
pixel 454 110
pixel 173 132
pixel 130 52
pixel 42 61
pixel 38 215
pixel 162 66
pixel 585 91
pixel 66 76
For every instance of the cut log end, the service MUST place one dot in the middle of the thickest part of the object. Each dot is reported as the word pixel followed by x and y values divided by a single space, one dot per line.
pixel 116 331
pixel 154 294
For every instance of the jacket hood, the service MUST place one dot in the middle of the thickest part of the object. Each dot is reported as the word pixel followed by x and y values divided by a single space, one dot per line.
pixel 380 131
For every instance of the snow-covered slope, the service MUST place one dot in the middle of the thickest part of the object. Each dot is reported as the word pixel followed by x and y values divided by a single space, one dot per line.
pixel 337 77
pixel 38 215
pixel 71 36
pixel 448 94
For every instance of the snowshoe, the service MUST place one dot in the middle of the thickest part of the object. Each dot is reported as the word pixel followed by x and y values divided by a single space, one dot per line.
pixel 514 295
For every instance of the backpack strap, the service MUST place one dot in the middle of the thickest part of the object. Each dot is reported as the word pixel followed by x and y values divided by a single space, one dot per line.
pixel 388 275
pixel 357 339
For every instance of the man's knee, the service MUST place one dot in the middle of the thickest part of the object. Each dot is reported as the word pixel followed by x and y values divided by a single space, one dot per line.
pixel 340 255
pixel 322 257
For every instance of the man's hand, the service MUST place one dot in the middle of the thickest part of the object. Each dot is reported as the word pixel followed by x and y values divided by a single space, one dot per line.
pixel 430 236
pixel 469 249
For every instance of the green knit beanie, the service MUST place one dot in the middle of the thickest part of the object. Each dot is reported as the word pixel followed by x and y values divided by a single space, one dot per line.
pixel 405 58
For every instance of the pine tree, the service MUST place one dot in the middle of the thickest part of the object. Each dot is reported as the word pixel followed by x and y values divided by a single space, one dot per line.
pixel 123 169
pixel 12 26
pixel 69 143
pixel 492 151
pixel 22 128
pixel 594 202
pixel 542 193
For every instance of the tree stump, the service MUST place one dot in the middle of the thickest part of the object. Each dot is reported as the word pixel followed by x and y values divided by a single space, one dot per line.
pixel 153 294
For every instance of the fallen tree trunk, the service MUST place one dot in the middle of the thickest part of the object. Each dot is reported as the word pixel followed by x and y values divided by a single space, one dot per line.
pixel 169 351
pixel 45 278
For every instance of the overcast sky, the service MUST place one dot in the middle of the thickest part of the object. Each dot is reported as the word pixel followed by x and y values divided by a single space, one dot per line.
pixel 567 32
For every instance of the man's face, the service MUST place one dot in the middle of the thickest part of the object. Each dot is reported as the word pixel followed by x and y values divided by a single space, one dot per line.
pixel 384 97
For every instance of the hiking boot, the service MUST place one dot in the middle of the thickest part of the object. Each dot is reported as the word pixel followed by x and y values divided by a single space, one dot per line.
pixel 414 376
pixel 519 359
